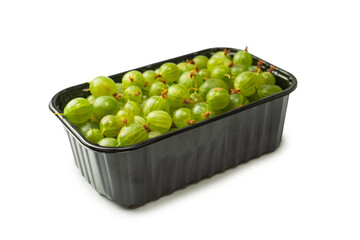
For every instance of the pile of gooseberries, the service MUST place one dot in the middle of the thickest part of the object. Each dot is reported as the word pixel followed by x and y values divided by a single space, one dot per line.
pixel 176 95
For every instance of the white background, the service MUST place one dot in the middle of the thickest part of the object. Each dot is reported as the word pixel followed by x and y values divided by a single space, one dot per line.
pixel 307 189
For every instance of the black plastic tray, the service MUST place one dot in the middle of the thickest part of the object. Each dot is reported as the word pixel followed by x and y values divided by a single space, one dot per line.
pixel 136 174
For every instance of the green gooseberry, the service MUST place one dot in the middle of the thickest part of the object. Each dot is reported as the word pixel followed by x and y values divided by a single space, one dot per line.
pixel 134 93
pixel 159 121
pixel 124 117
pixel 247 82
pixel 77 110
pixel 157 88
pixel 243 57
pixel 94 135
pixel 133 78
pixel 267 78
pixel 170 72
pixel 105 105
pixel 221 72
pixel 133 107
pixel 202 111
pixel 190 80
pixel 218 98
pixel 156 103
pixel 131 134
pixel 201 61
pixel 109 126
pixel 178 96
pixel 182 117
pixel 102 86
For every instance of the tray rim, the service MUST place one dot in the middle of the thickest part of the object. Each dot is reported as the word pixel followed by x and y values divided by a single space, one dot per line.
pixel 70 128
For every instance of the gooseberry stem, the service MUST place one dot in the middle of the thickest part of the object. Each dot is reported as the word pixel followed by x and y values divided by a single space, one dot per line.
pixel 206 115
pixel 131 78
pixel 197 68
pixel 233 91
pixel 190 122
pixel 227 52
pixel 163 93
pixel 272 68
pixel 159 75
pixel 246 49
pixel 146 127
pixel 187 101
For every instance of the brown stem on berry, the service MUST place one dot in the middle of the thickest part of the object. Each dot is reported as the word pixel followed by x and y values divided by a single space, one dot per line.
pixel 191 74
pixel 131 78
pixel 117 95
pixel 86 90
pixel 227 51
pixel 246 49
pixel 163 81
pixel 231 64
pixel 196 68
pixel 272 68
pixel 146 84
pixel 173 124
pixel 187 101
pixel 190 122
pixel 259 64
pixel 146 127
pixel 191 62
pixel 206 115
pixel 159 75
pixel 163 94
pixel 125 121
pixel 233 91
pixel 137 93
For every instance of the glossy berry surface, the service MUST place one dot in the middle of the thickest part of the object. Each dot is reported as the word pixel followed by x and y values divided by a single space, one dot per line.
pixel 131 134
pixel 105 105
pixel 78 110
pixel 218 98
pixel 109 126
pixel 102 86
pixel 159 121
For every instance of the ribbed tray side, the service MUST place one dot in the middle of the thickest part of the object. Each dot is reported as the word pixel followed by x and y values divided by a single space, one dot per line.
pixel 132 178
